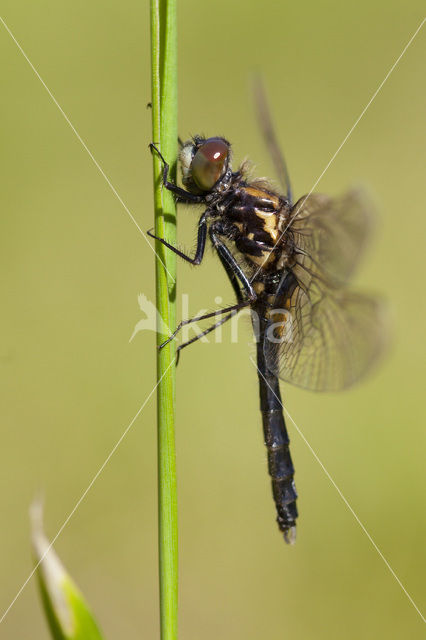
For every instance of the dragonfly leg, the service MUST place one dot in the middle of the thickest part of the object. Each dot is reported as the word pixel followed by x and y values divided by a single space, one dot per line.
pixel 203 333
pixel 201 242
pixel 233 308
pixel 232 279
pixel 232 264
pixel 234 282
pixel 183 195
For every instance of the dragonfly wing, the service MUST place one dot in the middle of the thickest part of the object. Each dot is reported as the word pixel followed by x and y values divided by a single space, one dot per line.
pixel 330 343
pixel 333 232
pixel 326 337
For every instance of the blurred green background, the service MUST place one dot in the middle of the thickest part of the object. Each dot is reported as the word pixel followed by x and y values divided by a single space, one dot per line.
pixel 73 263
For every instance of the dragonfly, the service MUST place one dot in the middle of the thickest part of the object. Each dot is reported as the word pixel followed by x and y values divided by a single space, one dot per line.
pixel 291 264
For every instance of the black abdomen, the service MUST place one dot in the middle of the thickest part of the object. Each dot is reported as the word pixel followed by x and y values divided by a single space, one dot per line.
pixel 277 442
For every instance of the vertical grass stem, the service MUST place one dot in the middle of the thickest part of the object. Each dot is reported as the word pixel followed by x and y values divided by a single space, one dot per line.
pixel 165 134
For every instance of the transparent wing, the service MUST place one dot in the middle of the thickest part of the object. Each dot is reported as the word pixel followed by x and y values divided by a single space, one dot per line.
pixel 332 231
pixel 323 336
pixel 328 345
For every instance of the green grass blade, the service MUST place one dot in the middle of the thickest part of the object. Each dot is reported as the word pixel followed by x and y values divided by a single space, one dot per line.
pixel 67 613
pixel 164 133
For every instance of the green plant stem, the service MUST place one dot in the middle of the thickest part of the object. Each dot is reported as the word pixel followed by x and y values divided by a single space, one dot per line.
pixel 164 133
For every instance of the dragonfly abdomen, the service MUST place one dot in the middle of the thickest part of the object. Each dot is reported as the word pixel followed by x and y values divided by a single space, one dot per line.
pixel 281 470
pixel 280 464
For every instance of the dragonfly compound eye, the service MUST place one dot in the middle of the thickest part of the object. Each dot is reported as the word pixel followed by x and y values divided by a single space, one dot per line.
pixel 209 163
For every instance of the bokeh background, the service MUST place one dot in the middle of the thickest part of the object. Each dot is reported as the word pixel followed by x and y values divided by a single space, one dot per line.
pixel 73 263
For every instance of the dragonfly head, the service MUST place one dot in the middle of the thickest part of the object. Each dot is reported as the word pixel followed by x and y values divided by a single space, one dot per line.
pixel 206 164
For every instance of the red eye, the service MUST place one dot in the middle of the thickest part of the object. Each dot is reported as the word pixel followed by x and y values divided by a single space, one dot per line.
pixel 209 163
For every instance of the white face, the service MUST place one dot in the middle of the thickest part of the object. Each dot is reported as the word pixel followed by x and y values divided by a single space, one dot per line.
pixel 185 159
